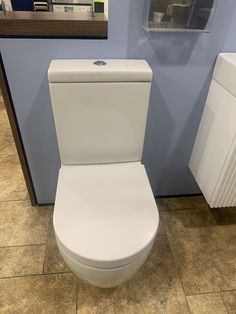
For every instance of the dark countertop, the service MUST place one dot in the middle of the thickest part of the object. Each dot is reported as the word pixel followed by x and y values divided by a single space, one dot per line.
pixel 51 24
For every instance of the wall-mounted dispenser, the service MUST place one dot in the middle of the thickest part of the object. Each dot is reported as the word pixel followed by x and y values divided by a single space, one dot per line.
pixel 179 15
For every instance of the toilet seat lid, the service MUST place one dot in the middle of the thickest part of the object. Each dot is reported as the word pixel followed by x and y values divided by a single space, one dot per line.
pixel 105 215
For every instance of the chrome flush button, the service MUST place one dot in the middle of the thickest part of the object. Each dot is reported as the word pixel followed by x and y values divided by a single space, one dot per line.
pixel 100 62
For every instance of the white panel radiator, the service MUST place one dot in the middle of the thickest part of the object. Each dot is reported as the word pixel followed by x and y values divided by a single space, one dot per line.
pixel 213 160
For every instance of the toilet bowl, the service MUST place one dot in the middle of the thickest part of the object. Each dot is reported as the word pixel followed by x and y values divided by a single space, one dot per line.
pixel 105 220
pixel 105 216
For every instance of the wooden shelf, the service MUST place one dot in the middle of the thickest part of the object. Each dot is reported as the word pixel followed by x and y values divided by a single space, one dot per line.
pixel 51 24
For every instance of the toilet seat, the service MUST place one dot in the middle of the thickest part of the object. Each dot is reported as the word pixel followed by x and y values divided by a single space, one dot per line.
pixel 105 215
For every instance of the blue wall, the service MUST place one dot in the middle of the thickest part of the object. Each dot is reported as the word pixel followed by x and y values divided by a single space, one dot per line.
pixel 182 65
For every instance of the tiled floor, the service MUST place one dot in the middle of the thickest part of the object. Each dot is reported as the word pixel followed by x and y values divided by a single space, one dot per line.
pixel 192 267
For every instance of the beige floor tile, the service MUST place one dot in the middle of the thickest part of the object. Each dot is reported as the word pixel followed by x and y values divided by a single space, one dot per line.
pixel 22 224
pixel 156 288
pixel 204 261
pixel 229 298
pixel 92 300
pixel 22 260
pixel 53 260
pixel 2 106
pixel 7 145
pixel 224 255
pixel 206 304
pixel 175 203
pixel 41 294
pixel 224 216
pixel 187 221
pixel 3 115
pixel 12 184
pixel 161 228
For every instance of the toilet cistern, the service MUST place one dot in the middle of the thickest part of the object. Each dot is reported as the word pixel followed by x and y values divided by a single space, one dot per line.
pixel 105 216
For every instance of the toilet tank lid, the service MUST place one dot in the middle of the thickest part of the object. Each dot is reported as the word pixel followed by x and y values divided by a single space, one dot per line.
pixel 113 70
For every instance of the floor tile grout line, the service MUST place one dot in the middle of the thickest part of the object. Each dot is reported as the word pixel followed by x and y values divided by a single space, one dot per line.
pixel 44 259
pixel 209 292
pixel 224 302
pixel 175 264
pixel 47 243
pixel 114 306
pixel 23 245
pixel 177 271
pixel 228 290
pixel 35 275
pixel 182 209
pixel 76 300
pixel 15 200
pixel 202 293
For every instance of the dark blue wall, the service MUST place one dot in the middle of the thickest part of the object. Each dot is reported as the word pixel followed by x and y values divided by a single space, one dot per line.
pixel 182 65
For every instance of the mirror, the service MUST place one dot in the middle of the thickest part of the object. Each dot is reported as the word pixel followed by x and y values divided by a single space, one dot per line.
pixel 179 15
pixel 57 6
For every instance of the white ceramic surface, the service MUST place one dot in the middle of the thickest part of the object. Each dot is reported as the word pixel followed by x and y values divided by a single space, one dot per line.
pixel 61 71
pixel 105 215
pixel 98 117
pixel 104 278
pixel 225 71
pixel 213 155
pixel 100 122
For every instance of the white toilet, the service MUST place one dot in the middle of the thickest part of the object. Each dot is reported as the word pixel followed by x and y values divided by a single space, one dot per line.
pixel 105 215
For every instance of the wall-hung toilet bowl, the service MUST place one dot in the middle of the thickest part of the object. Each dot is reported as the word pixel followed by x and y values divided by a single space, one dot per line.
pixel 105 216
pixel 105 220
